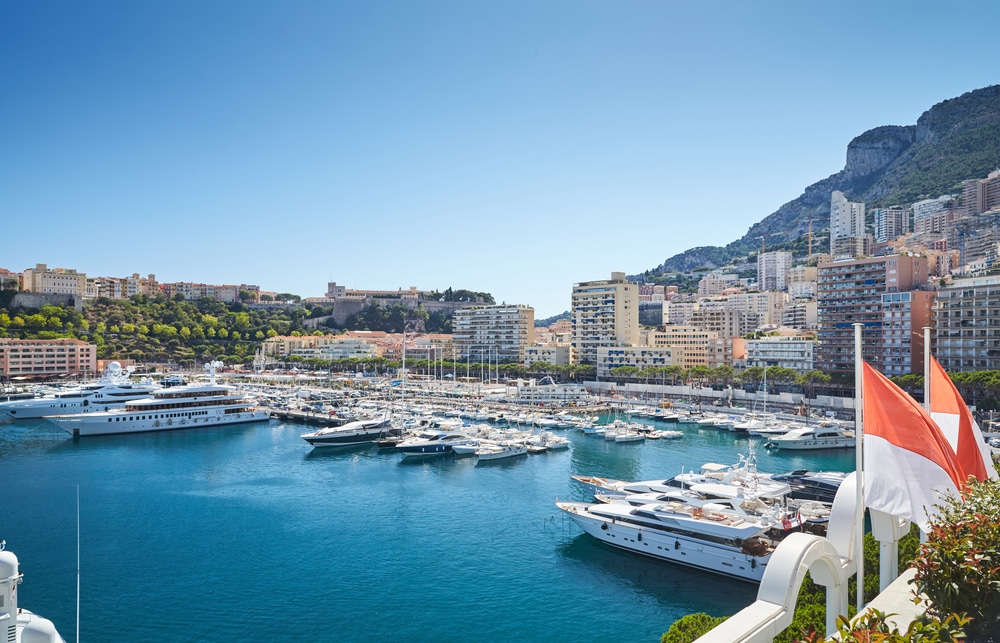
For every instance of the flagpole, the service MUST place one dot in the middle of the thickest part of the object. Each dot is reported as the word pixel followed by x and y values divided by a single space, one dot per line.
pixel 927 368
pixel 859 431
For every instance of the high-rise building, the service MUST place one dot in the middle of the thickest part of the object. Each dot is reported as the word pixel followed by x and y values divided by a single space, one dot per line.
pixel 967 324
pixel 847 226
pixel 604 313
pixel 891 223
pixel 501 332
pixel 851 292
pixel 772 270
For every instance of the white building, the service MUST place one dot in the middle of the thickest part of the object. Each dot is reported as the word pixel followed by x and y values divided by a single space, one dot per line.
pixel 555 354
pixel 772 270
pixel 795 353
pixel 767 304
pixel 891 223
pixel 59 281
pixel 500 332
pixel 604 313
pixel 641 357
pixel 847 225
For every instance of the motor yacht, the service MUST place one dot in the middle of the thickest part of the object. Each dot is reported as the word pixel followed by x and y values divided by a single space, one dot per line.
pixel 113 390
pixel 815 437
pixel 357 432
pixel 428 443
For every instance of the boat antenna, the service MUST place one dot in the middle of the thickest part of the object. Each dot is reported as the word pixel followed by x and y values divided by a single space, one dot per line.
pixel 77 563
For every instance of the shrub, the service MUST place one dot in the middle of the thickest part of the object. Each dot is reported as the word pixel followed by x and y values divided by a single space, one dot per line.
pixel 958 568
pixel 873 626
pixel 688 628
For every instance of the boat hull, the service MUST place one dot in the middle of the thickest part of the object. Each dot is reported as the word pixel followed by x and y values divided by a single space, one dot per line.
pixel 88 425
pixel 351 439
pixel 674 548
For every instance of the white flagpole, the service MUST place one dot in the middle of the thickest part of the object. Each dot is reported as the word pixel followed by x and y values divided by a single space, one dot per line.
pixel 927 368
pixel 859 437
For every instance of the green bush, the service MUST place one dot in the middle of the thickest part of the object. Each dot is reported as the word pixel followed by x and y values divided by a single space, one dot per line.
pixel 958 567
pixel 688 628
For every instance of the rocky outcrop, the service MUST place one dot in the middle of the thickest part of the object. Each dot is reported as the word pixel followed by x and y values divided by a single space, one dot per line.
pixel 954 140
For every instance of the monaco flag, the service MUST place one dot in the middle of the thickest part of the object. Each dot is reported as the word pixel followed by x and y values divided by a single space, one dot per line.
pixel 958 426
pixel 908 464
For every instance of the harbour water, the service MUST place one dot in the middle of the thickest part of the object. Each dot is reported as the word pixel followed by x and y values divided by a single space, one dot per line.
pixel 248 534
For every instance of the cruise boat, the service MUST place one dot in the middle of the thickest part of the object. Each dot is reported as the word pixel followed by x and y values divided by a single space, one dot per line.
pixel 705 535
pixel 113 390
pixel 17 623
pixel 815 437
pixel 428 443
pixel 177 407
pixel 357 432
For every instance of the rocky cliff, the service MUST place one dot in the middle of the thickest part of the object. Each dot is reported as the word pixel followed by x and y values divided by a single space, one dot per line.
pixel 954 140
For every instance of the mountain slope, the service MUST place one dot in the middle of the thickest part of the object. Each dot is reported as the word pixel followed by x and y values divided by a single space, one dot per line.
pixel 954 140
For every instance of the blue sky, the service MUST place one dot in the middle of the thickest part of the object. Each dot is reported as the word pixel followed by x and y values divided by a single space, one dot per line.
pixel 509 147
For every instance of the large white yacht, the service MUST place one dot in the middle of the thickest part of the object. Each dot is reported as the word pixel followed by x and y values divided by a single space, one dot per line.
pixel 178 407
pixel 17 624
pixel 113 390
pixel 715 536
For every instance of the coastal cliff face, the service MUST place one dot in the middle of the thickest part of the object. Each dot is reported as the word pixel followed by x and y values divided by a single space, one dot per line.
pixel 954 140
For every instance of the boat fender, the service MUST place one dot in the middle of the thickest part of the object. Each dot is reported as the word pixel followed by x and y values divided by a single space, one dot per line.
pixel 677 544
pixel 604 526
pixel 753 563
pixel 639 537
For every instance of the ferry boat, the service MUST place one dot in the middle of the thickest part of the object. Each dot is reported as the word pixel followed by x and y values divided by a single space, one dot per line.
pixel 178 407
pixel 113 390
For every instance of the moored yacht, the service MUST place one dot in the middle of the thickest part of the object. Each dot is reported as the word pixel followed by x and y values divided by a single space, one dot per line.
pixel 357 432
pixel 428 443
pixel 177 407
pixel 113 390
pixel 815 437
pixel 705 536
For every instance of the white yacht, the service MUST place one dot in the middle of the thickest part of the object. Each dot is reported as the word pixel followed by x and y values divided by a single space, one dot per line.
pixel 177 407
pixel 113 390
pixel 357 432
pixel 815 437
pixel 500 451
pixel 16 623
pixel 428 443
pixel 705 535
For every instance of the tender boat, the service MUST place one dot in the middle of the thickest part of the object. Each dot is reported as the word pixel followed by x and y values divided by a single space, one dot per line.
pixel 113 390
pixel 357 432
pixel 815 437
pixel 177 407
pixel 812 485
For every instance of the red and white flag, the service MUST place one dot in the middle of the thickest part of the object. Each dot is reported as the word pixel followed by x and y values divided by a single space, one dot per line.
pixel 909 466
pixel 955 420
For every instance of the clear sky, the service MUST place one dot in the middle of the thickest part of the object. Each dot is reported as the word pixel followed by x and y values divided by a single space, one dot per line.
pixel 513 147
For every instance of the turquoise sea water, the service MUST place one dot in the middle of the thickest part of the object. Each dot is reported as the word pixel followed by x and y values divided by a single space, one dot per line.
pixel 248 534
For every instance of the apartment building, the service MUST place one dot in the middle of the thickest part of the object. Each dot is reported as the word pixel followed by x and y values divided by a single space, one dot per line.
pixel 772 270
pixel 641 357
pixel 891 223
pixel 792 352
pixel 715 282
pixel 699 347
pixel 555 354
pixel 851 292
pixel 604 313
pixel 39 358
pixel 767 305
pixel 904 316
pixel 500 332
pixel 967 324
pixel 847 226
pixel 801 314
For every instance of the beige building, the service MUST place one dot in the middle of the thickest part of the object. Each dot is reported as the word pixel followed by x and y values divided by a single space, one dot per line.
pixel 59 281
pixel 847 226
pixel 772 270
pixel 698 347
pixel 767 304
pixel 792 352
pixel 641 357
pixel 555 354
pixel 605 313
pixel 500 332
pixel 34 358
pixel 715 282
